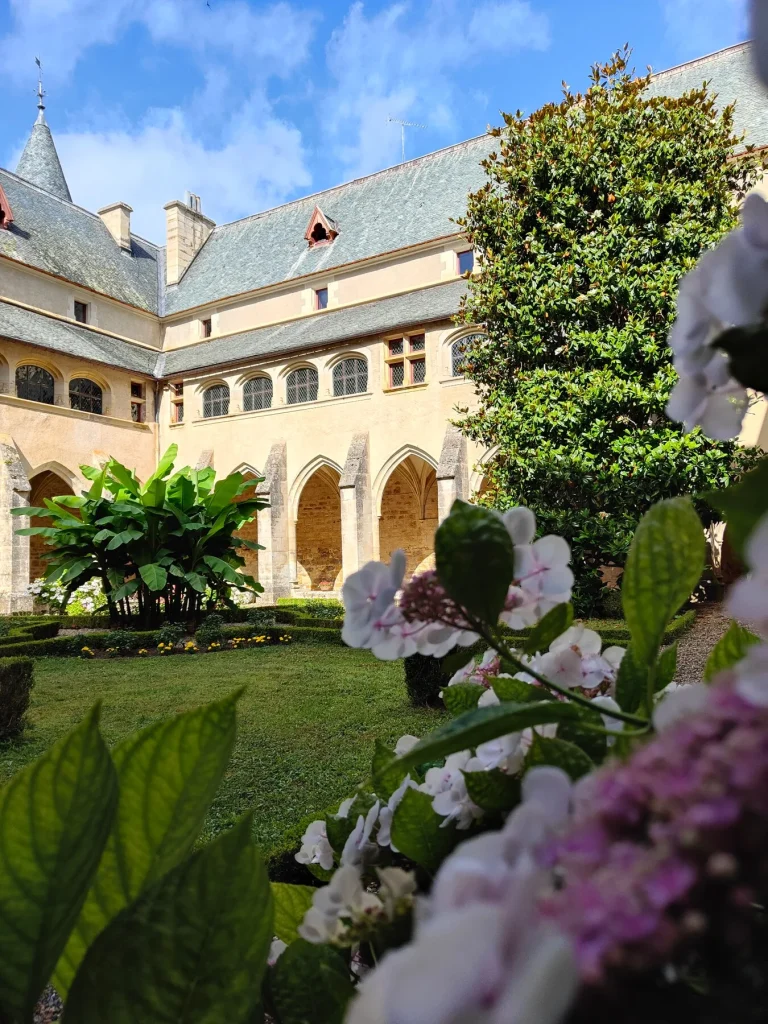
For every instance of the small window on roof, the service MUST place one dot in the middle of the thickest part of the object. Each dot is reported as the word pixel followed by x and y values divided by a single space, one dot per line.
pixel 321 230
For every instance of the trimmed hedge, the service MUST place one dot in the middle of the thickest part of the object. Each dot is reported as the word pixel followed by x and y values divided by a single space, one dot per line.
pixel 16 681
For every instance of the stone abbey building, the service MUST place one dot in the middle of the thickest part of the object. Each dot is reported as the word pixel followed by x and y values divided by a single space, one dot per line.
pixel 312 345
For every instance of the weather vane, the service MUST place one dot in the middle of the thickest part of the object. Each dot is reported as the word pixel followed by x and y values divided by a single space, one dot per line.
pixel 40 92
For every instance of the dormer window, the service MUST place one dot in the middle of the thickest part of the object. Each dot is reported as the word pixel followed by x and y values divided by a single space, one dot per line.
pixel 6 214
pixel 321 230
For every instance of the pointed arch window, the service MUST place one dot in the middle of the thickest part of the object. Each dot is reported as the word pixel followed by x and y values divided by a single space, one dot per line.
pixel 86 395
pixel 257 394
pixel 350 377
pixel 35 384
pixel 215 401
pixel 301 385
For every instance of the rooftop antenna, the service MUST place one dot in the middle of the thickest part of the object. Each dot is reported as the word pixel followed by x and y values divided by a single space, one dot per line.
pixel 403 126
pixel 40 91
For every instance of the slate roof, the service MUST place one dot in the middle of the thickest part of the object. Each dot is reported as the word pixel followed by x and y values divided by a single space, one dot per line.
pixel 732 76
pixel 63 239
pixel 402 206
pixel 40 164
pixel 398 312
pixel 20 324
pixel 337 326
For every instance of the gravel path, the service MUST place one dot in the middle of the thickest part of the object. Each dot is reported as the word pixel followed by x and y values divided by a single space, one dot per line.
pixel 694 646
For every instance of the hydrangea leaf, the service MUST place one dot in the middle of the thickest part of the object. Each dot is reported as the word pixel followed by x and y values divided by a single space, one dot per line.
pixel 418 832
pixel 475 560
pixel 518 690
pixel 665 562
pixel 493 790
pixel 385 771
pixel 55 817
pixel 742 504
pixel 191 949
pixel 631 680
pixel 462 697
pixel 553 625
pixel 729 650
pixel 666 667
pixel 483 724
pixel 559 753
pixel 310 985
pixel 594 744
pixel 459 659
pixel 168 776
pixel 291 904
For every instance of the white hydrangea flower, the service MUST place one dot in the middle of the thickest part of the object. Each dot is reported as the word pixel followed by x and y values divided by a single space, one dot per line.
pixel 315 848
pixel 574 659
pixel 276 950
pixel 448 790
pixel 387 813
pixel 752 676
pixel 747 600
pixel 343 897
pixel 367 595
pixel 678 701
pixel 356 846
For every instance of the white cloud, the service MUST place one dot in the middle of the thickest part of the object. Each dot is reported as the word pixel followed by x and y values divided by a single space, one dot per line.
pixel 270 40
pixel 259 163
pixel 698 27
pixel 410 62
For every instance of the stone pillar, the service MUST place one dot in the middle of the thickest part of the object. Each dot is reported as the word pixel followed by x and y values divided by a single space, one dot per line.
pixel 452 472
pixel 205 459
pixel 14 551
pixel 274 565
pixel 356 511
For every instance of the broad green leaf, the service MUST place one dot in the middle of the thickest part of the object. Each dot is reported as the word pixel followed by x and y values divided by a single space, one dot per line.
pixel 224 493
pixel 70 500
pixel 102 535
pixel 116 578
pixel 196 581
pixel 168 775
pixel 475 560
pixel 154 575
pixel 631 682
pixel 30 510
pixel 37 531
pixel 126 589
pixel 493 790
pixel 594 744
pixel 729 650
pixel 97 486
pixel 553 625
pixel 386 771
pixel 164 466
pixel 665 667
pixel 518 690
pixel 192 949
pixel 461 697
pixel 124 477
pixel 418 832
pixel 291 904
pixel 310 984
pixel 241 542
pixel 76 568
pixel 339 829
pixel 124 537
pixel 222 568
pixel 153 495
pixel 665 562
pixel 55 816
pixel 559 753
pixel 483 724
pixel 742 504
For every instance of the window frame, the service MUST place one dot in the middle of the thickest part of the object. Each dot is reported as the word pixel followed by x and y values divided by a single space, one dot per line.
pixel 176 389
pixel 39 369
pixel 138 401
pixel 290 374
pixel 206 327
pixel 405 359
pixel 86 310
pixel 207 391
pixel 321 304
pixel 252 380
pixel 465 253
pixel 94 399
pixel 361 373
pixel 451 346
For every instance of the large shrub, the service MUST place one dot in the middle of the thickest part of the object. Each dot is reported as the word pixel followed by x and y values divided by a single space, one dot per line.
pixel 15 685
pixel 165 547
pixel 593 209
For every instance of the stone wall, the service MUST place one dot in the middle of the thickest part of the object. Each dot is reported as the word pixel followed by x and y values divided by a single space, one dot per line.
pixel 318 532
pixel 402 524
pixel 44 485
pixel 249 532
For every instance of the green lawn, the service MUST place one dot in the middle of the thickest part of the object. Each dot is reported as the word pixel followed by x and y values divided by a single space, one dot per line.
pixel 306 726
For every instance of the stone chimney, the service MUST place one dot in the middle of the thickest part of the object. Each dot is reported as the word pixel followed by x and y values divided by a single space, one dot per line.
pixel 117 218
pixel 186 229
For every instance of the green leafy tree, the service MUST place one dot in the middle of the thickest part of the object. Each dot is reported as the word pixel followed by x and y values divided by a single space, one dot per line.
pixel 158 546
pixel 593 210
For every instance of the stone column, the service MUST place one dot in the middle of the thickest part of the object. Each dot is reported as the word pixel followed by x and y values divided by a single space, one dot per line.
pixel 274 566
pixel 14 551
pixel 452 472
pixel 356 511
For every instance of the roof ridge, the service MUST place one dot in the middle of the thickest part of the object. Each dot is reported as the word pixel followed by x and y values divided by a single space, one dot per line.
pixel 353 181
pixel 67 202
pixel 702 59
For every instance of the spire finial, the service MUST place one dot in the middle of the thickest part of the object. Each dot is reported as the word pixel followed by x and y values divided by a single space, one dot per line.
pixel 40 92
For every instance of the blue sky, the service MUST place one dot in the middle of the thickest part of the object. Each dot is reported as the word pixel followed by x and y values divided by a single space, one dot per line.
pixel 251 103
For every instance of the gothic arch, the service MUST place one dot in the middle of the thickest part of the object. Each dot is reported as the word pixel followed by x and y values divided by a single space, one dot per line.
pixel 49 481
pixel 477 476
pixel 303 476
pixel 391 465
pixel 407 509
pixel 317 518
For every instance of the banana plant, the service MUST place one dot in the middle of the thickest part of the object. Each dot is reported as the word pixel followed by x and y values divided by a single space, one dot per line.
pixel 158 547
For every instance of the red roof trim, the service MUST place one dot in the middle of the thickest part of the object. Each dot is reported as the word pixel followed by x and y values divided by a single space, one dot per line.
pixel 318 217
pixel 6 213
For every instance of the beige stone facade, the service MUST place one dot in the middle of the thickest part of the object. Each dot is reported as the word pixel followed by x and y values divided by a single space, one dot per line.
pixel 327 365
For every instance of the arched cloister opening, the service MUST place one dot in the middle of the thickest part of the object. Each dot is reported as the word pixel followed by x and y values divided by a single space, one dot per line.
pixel 409 513
pixel 46 484
pixel 249 532
pixel 318 532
